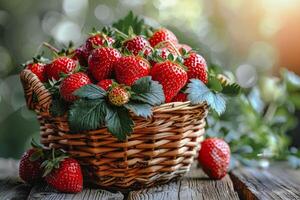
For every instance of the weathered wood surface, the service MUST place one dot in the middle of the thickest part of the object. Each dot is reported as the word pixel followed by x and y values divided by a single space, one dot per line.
pixel 278 182
pixel 195 185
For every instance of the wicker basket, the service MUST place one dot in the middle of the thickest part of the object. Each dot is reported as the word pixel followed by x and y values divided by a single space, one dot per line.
pixel 160 149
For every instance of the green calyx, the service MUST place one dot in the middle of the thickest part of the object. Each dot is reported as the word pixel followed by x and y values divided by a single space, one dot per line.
pixel 54 162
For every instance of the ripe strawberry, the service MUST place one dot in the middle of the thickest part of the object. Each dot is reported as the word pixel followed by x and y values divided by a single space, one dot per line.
pixel 60 65
pixel 161 35
pixel 101 62
pixel 71 84
pixel 137 44
pixel 180 97
pixel 118 96
pixel 171 76
pixel 130 68
pixel 196 67
pixel 186 47
pixel 30 169
pixel 105 84
pixel 66 176
pixel 80 55
pixel 39 70
pixel 214 157
pixel 96 40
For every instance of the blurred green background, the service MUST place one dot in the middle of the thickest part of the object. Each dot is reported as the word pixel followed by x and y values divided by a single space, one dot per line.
pixel 251 38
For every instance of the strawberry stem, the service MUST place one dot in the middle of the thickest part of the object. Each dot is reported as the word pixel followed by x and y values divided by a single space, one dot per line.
pixel 52 48
pixel 123 35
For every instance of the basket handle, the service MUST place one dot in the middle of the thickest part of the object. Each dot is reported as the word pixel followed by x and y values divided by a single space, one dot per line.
pixel 32 85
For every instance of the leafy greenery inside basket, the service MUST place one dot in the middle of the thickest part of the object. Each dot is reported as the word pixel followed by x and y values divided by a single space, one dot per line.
pixel 93 109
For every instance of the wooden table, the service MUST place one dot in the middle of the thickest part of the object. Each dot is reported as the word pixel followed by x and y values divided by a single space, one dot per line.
pixel 278 182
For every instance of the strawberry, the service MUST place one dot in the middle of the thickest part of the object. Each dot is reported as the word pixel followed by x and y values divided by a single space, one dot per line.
pixel 105 84
pixel 96 40
pixel 171 76
pixel 64 175
pixel 101 62
pixel 80 55
pixel 137 44
pixel 180 97
pixel 60 65
pixel 71 84
pixel 118 96
pixel 161 35
pixel 39 70
pixel 214 157
pixel 130 68
pixel 30 169
pixel 196 67
pixel 186 47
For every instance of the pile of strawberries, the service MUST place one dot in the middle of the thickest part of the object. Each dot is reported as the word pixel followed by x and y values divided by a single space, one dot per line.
pixel 160 56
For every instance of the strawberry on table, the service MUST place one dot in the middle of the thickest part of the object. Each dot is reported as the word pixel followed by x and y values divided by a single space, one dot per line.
pixel 39 70
pixel 60 65
pixel 197 67
pixel 30 169
pixel 214 157
pixel 171 76
pixel 161 35
pixel 128 69
pixel 64 174
pixel 72 83
pixel 101 62
pixel 105 84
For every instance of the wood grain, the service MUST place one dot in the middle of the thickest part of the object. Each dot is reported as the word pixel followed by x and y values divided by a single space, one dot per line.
pixel 44 192
pixel 279 182
pixel 195 185
pixel 13 189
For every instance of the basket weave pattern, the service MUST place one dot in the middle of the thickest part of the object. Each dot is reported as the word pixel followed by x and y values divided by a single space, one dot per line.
pixel 160 148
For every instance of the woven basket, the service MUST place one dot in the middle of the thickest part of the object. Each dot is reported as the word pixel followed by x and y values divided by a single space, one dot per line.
pixel 160 149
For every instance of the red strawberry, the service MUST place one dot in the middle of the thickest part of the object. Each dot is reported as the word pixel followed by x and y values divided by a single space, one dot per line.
pixel 96 40
pixel 130 68
pixel 137 44
pixel 67 177
pixel 161 35
pixel 105 83
pixel 180 97
pixel 186 47
pixel 60 65
pixel 196 67
pixel 38 69
pixel 214 157
pixel 171 76
pixel 72 83
pixel 101 62
pixel 80 55
pixel 30 170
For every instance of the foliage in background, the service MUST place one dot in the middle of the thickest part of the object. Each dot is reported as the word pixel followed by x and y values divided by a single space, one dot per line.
pixel 257 122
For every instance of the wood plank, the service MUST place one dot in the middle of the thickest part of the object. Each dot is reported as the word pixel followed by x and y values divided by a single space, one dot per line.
pixel 9 168
pixel 277 182
pixel 13 189
pixel 46 192
pixel 195 185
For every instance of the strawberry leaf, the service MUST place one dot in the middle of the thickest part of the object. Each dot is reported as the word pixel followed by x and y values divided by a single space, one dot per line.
pixel 58 107
pixel 139 109
pixel 199 93
pixel 118 122
pixel 214 84
pixel 87 114
pixel 232 89
pixel 148 91
pixel 90 91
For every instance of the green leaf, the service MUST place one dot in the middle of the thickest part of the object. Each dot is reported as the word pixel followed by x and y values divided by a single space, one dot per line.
pixel 199 93
pixel 232 89
pixel 90 91
pixel 148 91
pixel 87 114
pixel 130 20
pixel 139 109
pixel 118 122
pixel 214 84
pixel 58 107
